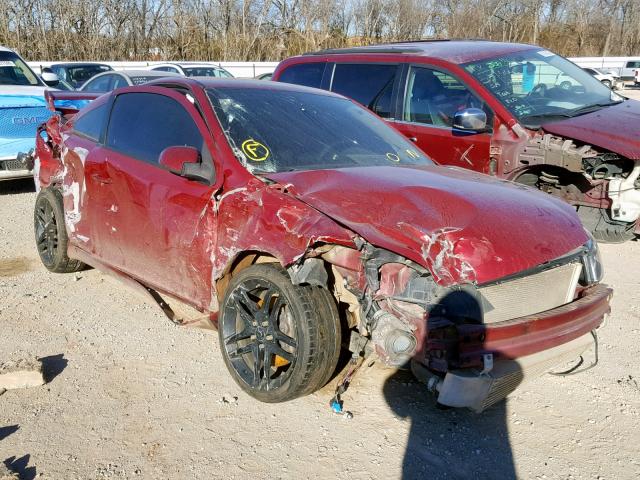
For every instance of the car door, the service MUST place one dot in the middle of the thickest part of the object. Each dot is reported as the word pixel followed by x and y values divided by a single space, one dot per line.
pixel 156 233
pixel 430 99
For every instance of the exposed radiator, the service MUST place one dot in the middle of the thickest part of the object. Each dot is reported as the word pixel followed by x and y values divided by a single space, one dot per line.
pixel 531 294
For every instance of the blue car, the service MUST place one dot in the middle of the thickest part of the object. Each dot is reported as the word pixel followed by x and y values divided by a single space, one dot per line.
pixel 22 109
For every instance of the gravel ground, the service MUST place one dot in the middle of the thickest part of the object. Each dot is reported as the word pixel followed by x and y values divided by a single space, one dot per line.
pixel 130 395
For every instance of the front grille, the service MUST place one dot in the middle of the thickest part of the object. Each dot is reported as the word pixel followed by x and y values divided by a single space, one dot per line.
pixel 531 294
pixel 22 122
pixel 11 165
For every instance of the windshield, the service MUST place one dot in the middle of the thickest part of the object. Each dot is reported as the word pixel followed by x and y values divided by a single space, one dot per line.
pixel 14 71
pixel 539 86
pixel 206 72
pixel 78 75
pixel 279 130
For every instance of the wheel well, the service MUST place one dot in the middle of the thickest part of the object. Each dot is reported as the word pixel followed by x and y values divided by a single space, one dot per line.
pixel 240 262
pixel 552 174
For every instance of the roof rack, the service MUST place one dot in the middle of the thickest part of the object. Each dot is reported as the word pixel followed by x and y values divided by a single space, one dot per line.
pixel 367 49
pixel 394 47
pixel 422 40
pixel 389 47
pixel 435 40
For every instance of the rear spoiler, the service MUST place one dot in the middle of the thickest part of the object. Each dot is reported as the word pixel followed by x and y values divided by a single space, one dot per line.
pixel 68 103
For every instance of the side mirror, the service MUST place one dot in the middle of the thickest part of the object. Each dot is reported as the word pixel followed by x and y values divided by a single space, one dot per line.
pixel 50 78
pixel 185 162
pixel 470 119
pixel 176 158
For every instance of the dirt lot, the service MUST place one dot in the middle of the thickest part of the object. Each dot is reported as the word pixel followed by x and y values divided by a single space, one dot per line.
pixel 132 396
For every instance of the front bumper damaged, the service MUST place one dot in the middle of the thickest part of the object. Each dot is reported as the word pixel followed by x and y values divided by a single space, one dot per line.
pixel 494 359
pixel 13 167
pixel 479 390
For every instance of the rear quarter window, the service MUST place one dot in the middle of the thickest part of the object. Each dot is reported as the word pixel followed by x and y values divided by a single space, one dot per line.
pixel 306 74
pixel 100 84
pixel 369 84
pixel 91 123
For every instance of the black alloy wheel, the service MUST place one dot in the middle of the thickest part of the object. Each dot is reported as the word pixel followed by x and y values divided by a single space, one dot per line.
pixel 259 336
pixel 278 340
pixel 51 234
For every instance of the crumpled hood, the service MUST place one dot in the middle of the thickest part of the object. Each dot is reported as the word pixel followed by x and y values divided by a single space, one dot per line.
pixel 615 128
pixel 463 226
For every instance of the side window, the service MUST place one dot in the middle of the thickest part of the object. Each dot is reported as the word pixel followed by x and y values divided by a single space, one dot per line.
pixel 144 124
pixel 307 74
pixel 91 123
pixel 369 84
pixel 634 64
pixel 62 74
pixel 433 97
pixel 119 82
pixel 100 84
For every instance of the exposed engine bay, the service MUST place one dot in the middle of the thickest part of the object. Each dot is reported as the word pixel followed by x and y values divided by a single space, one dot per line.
pixel 604 186
pixel 394 308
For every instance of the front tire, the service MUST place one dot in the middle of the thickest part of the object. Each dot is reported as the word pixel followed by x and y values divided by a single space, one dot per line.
pixel 279 341
pixel 51 234
pixel 603 227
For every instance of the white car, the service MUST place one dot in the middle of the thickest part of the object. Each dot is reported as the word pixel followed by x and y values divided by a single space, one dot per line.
pixel 22 109
pixel 108 81
pixel 606 79
pixel 191 69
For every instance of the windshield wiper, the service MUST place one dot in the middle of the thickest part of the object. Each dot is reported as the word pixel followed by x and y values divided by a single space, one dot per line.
pixel 526 119
pixel 546 115
pixel 591 108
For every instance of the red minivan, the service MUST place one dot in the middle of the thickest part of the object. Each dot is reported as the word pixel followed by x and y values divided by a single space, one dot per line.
pixel 515 111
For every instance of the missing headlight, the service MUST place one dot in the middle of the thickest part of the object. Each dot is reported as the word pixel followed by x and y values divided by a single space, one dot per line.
pixel 592 271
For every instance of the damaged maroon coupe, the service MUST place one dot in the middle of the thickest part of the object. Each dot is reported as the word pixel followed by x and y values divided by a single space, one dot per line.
pixel 298 222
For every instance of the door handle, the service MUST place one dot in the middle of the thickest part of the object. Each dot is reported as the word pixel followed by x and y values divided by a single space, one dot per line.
pixel 100 179
pixel 413 139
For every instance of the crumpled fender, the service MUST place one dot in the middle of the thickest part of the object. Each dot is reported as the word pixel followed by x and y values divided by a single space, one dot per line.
pixel 266 218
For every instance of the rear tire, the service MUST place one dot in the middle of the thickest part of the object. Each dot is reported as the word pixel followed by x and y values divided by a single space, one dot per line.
pixel 51 233
pixel 603 228
pixel 279 341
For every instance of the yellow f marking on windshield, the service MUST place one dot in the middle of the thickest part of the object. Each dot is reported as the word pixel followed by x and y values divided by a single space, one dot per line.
pixel 254 150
